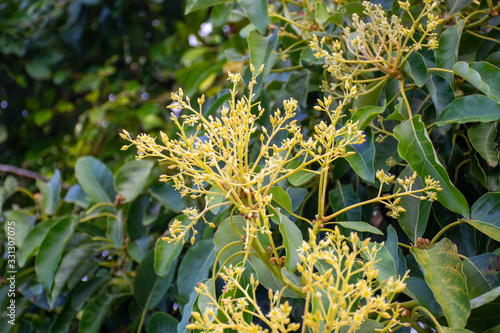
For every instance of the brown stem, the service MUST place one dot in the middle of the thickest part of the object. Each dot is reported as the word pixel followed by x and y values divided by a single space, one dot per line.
pixel 28 174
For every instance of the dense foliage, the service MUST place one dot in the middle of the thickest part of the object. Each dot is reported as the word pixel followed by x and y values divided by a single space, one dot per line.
pixel 388 127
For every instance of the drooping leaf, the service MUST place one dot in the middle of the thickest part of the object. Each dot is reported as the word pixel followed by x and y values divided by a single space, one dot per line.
pixel 115 229
pixel 482 137
pixel 416 148
pixel 194 266
pixel 443 273
pixel 161 322
pixel 342 197
pixel 482 75
pixel 164 256
pixel 292 240
pixel 131 178
pixel 468 109
pixel 485 215
pixel 77 196
pixel 51 192
pixel 415 67
pixel 447 52
pixel 95 178
pixel 51 249
pixel 256 11
pixel 363 159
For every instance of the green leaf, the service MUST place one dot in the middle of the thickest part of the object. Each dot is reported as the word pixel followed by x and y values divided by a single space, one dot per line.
pixel 135 217
pixel 443 273
pixel 186 313
pixel 484 317
pixel 95 313
pixel 485 298
pixel 415 67
pixel 455 330
pixel 86 290
pixel 414 220
pixel 416 148
pixel 51 192
pixel 485 215
pixel 337 17
pixel 299 178
pixel 455 6
pixel 297 196
pixel 168 197
pixel 215 199
pixel 441 92
pixel 362 161
pixel 366 114
pixel 292 240
pixel 194 266
pixel 33 240
pixel 447 52
pixel 193 5
pixel 225 235
pixel 51 249
pixel 368 325
pixel 165 255
pixel 95 179
pixel 419 290
pixel 261 48
pixel 161 322
pixel 482 273
pixel 482 137
pixel 309 61
pixel 77 196
pixel 384 262
pixel 281 197
pixel 321 12
pixel 114 230
pixel 19 230
pixel 68 265
pixel 342 197
pixel 38 70
pixel 482 75
pixel 360 226
pixel 132 177
pixel 256 11
pixel 373 96
pixel 149 288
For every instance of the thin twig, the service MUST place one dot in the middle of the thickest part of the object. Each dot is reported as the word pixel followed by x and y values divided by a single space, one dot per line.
pixel 28 174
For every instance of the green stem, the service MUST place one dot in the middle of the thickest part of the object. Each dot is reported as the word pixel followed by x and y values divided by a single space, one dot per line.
pixel 441 70
pixel 403 94
pixel 442 231
pixel 96 216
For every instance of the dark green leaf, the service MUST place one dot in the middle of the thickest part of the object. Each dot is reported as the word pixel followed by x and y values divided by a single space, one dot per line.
pixel 51 192
pixel 362 160
pixel 193 5
pixel 416 68
pixel 195 265
pixel 168 197
pixel 135 217
pixel 482 273
pixel 77 196
pixel 416 148
pixel 373 96
pixel 261 48
pixel 441 92
pixel 419 290
pixel 270 281
pixel 292 240
pixel 455 6
pixel 95 313
pixel 131 178
pixel 281 198
pixel 33 240
pixel 309 61
pixel 186 313
pixel 95 179
pixel 114 230
pixel 482 75
pixel 443 273
pixel 51 249
pixel 297 196
pixel 366 114
pixel 485 215
pixel 165 255
pixel 256 11
pixel 447 52
pixel 23 223
pixel 360 226
pixel 482 137
pixel 86 290
pixel 161 322
pixel 342 197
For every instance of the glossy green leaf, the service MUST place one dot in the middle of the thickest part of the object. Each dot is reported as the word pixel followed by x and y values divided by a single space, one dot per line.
pixel 186 313
pixel 443 273
pixel 135 217
pixel 95 312
pixel 68 265
pixel 482 137
pixel 168 197
pixel 193 5
pixel 51 250
pixel 366 114
pixel 33 240
pixel 256 11
pixel 360 226
pixel 484 315
pixel 227 238
pixel 115 230
pixel 96 179
pixel 363 159
pixel 484 76
pixel 261 48
pixel 281 197
pixel 342 197
pixel 384 262
pixel 165 255
pixel 77 196
pixel 298 178
pixel 414 220
pixel 337 17
pixel 18 226
pixel 485 215
pixel 51 192
pixel 132 177
pixel 292 240
pixel 149 288
pixel 161 322
pixel 419 290
pixel 321 12
pixel 441 92
pixel 195 265
pixel 482 273
pixel 447 52
pixel 372 98
pixel 415 67
pixel 416 148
